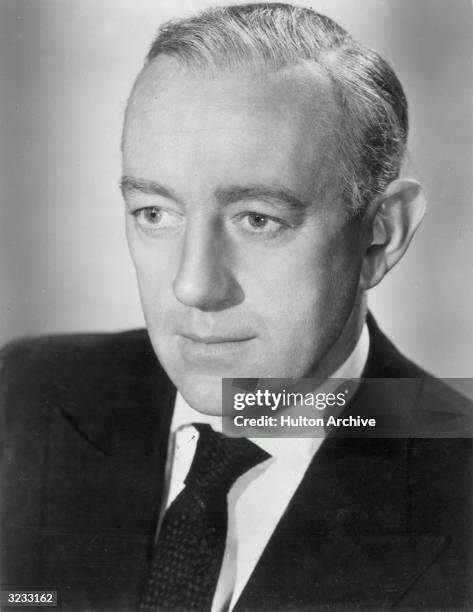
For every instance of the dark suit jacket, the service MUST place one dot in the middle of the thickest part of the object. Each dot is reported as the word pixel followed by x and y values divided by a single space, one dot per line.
pixel 375 523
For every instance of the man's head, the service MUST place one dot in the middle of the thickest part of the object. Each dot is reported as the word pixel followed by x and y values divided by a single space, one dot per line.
pixel 261 150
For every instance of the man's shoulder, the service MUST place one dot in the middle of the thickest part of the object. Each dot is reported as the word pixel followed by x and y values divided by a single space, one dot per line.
pixel 76 371
pixel 426 400
pixel 385 360
pixel 85 421
pixel 58 346
pixel 75 355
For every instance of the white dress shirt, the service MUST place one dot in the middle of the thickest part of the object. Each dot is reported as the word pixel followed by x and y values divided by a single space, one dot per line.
pixel 251 520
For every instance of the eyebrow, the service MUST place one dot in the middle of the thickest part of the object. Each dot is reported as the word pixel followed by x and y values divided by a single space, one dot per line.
pixel 233 194
pixel 129 183
pixel 224 195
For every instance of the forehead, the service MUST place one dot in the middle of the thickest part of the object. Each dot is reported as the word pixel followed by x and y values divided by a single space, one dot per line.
pixel 281 123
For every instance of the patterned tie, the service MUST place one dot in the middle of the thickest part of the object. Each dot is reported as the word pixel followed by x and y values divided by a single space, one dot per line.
pixel 189 552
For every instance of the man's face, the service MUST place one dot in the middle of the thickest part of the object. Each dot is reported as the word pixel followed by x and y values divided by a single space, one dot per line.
pixel 246 263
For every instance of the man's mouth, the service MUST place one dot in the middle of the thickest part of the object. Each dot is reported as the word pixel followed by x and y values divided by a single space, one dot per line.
pixel 213 349
pixel 216 338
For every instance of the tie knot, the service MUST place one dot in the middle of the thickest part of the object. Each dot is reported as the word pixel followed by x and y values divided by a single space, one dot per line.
pixel 220 460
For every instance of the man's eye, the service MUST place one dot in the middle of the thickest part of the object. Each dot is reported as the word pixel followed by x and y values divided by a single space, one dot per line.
pixel 258 223
pixel 153 218
pixel 152 215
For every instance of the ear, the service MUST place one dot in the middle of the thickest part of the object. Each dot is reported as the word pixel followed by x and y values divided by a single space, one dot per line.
pixel 395 217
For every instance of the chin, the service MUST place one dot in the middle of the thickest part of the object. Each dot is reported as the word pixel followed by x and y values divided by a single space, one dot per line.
pixel 203 393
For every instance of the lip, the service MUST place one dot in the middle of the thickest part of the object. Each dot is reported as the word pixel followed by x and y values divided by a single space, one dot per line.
pixel 215 338
pixel 213 350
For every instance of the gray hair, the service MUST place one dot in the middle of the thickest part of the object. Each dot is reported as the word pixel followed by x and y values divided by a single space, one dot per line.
pixel 372 132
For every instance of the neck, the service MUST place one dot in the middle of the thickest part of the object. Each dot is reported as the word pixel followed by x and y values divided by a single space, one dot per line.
pixel 346 341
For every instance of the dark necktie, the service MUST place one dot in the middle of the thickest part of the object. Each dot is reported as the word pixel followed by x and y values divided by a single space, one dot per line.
pixel 189 552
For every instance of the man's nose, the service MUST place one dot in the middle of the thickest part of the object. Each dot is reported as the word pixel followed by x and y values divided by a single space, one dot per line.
pixel 204 279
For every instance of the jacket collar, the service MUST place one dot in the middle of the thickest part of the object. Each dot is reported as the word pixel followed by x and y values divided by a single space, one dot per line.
pixel 345 540
pixel 354 547
pixel 107 458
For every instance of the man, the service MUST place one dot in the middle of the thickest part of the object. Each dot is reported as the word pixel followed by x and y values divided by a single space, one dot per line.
pixel 262 149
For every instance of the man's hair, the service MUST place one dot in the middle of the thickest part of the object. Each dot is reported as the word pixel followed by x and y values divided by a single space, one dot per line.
pixel 372 109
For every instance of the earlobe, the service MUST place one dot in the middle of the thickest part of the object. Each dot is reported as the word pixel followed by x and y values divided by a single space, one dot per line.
pixel 396 217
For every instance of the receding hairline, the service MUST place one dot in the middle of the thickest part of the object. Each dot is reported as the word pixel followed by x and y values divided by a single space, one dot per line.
pixel 313 77
pixel 319 108
pixel 268 34
pixel 373 122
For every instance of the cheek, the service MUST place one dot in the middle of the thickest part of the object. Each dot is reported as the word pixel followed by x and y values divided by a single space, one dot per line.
pixel 305 293
pixel 155 271
pixel 308 271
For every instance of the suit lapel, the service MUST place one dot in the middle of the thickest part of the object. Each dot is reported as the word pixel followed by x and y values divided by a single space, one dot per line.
pixel 345 540
pixel 106 480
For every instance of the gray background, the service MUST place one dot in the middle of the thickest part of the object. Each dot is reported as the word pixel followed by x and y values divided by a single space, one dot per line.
pixel 66 67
